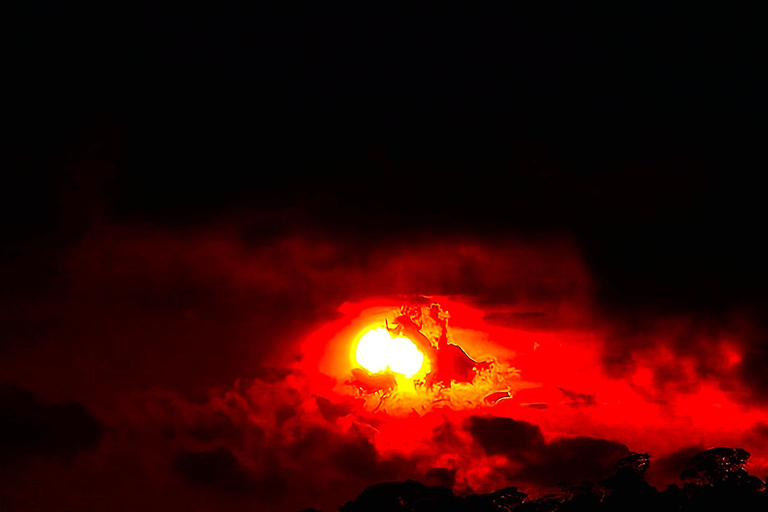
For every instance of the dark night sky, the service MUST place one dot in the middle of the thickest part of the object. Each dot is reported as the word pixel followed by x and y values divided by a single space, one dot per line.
pixel 638 130
pixel 638 133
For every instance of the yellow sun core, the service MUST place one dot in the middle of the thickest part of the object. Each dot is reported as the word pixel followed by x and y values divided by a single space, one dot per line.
pixel 377 351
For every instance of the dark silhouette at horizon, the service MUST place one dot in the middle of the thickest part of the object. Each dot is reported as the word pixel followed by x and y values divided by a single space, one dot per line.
pixel 715 480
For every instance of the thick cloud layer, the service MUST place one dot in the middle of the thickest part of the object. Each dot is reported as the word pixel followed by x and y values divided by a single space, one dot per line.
pixel 184 343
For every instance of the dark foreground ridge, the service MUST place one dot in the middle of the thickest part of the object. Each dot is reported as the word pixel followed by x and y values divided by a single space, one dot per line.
pixel 716 480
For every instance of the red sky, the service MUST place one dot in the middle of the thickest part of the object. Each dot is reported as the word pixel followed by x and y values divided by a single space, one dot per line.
pixel 208 368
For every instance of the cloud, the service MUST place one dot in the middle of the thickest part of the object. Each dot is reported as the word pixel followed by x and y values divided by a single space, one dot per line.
pixel 217 467
pixel 155 324
pixel 29 427
pixel 272 442
pixel 667 469
pixel 139 306
pixel 682 350
pixel 564 459
pixel 752 367
pixel 574 459
pixel 506 436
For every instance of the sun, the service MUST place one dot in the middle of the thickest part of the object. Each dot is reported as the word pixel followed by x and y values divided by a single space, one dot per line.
pixel 377 351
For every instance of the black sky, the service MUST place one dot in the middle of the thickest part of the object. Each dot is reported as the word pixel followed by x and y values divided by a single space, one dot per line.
pixel 640 131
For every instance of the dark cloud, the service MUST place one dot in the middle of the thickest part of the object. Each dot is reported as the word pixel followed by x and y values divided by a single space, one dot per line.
pixel 441 476
pixel 667 469
pixel 760 430
pixel 268 442
pixel 753 366
pixel 29 427
pixel 545 463
pixel 683 349
pixel 577 458
pixel 332 411
pixel 506 436
pixel 217 467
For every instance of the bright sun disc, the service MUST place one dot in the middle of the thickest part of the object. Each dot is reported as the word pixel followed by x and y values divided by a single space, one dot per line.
pixel 377 351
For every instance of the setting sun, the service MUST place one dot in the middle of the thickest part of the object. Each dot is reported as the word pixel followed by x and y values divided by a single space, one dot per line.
pixel 377 350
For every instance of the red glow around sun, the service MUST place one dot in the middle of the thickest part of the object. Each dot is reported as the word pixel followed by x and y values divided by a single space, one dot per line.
pixel 405 358
pixel 553 379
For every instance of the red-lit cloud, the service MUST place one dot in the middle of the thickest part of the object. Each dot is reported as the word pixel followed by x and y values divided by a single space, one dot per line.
pixel 211 366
